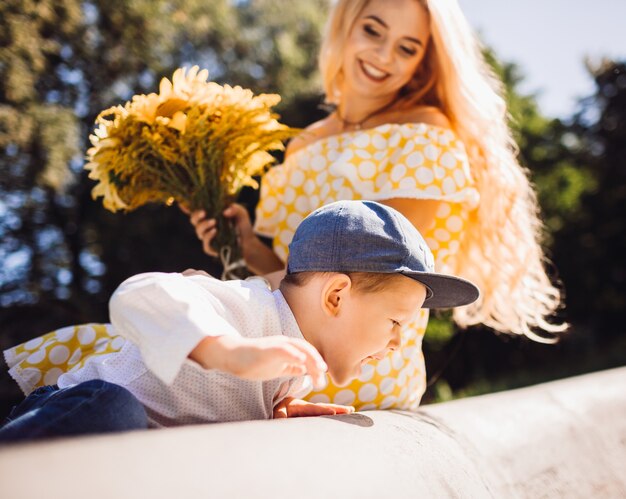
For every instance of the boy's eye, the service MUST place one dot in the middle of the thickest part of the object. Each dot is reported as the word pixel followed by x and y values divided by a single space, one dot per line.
pixel 395 323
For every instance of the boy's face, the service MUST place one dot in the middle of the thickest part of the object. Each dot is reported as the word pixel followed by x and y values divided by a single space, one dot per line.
pixel 368 325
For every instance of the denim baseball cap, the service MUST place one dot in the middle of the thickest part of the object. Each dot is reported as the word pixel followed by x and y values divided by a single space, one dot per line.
pixel 365 236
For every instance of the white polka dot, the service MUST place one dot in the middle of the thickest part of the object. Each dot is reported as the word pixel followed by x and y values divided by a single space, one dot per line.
pixel 288 197
pixel 442 235
pixel 454 223
pixel 388 402
pixel 302 204
pixel 398 172
pixel 37 357
pixel 269 203
pixel 449 186
pixel 387 385
pixel 453 246
pixel 415 159
pixel 117 343
pixel 59 354
pixel 444 210
pixel 314 202
pixel 431 152
pixel 394 140
pixel 78 353
pixel 34 343
pixel 425 175
pixel 31 375
pixel 65 334
pixel 363 154
pixel 318 163
pixel 297 178
pixel 320 398
pixel 379 142
pixel 345 397
pixel 447 160
pixel 285 237
pixel 408 148
pixel 367 169
pixel 294 220
pixel 101 345
pixel 408 183
pixel 433 190
pixel 439 172
pixel 309 187
pixel 86 335
pixel 367 407
pixel 397 360
pixel 324 191
pixel 52 376
pixel 459 178
pixel 384 367
pixel 432 244
pixel 332 155
pixel 381 180
pixel 408 352
pixel 362 140
pixel 368 392
pixel 337 184
pixel 321 178
pixel 367 371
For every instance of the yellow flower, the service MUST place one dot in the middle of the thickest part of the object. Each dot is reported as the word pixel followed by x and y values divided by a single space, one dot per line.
pixel 195 141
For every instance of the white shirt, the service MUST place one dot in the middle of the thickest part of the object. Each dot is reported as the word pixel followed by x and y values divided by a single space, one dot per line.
pixel 165 316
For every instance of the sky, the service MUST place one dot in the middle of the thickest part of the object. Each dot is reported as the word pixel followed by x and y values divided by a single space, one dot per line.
pixel 549 40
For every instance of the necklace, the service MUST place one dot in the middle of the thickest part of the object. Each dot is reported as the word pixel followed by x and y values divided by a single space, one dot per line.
pixel 358 125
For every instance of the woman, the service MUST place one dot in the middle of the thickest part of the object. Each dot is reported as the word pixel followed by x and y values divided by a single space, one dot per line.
pixel 420 125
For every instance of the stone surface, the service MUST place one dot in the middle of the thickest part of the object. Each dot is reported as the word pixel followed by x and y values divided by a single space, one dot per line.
pixel 560 439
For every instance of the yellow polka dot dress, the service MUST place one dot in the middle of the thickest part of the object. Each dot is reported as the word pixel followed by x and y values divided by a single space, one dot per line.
pixel 415 161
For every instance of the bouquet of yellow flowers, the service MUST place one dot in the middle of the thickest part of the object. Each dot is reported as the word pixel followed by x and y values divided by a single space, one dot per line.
pixel 195 142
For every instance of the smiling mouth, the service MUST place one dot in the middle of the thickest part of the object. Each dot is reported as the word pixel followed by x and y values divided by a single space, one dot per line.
pixel 372 72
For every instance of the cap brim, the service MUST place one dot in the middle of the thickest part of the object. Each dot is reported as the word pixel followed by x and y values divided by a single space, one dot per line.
pixel 447 291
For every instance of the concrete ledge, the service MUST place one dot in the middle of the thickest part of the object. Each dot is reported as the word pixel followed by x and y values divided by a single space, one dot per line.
pixel 560 439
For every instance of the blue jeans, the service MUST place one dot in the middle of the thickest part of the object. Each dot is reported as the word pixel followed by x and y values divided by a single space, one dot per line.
pixel 94 406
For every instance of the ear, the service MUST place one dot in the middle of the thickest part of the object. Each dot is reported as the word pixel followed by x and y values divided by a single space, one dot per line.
pixel 334 293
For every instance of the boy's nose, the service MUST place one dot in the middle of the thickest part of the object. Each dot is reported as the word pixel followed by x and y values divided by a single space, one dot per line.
pixel 396 339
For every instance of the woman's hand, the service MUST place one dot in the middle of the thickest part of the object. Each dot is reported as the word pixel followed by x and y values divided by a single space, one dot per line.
pixel 206 228
pixel 259 258
pixel 297 408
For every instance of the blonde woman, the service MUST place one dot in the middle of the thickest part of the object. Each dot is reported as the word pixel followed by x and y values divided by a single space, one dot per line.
pixel 419 125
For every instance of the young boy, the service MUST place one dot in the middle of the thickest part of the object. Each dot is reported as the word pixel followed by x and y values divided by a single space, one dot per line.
pixel 203 350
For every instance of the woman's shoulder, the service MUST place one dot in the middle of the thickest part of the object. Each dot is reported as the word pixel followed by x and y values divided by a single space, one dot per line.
pixel 429 115
pixel 310 134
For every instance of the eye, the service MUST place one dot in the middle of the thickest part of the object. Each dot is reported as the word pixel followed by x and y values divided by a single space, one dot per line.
pixel 395 323
pixel 410 51
pixel 369 29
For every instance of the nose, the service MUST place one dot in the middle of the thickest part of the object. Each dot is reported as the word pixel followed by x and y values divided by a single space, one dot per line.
pixel 385 52
pixel 396 339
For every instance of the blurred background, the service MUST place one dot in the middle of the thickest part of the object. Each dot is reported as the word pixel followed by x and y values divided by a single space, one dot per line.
pixel 62 254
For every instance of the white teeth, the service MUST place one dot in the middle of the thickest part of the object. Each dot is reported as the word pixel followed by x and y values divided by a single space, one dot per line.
pixel 372 71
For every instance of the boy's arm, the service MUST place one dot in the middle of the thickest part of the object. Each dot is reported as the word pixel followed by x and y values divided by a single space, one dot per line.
pixel 166 316
pixel 260 358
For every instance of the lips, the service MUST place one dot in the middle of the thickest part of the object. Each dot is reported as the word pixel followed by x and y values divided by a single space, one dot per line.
pixel 372 72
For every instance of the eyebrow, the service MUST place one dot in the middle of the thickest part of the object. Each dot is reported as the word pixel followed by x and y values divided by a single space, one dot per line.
pixel 381 22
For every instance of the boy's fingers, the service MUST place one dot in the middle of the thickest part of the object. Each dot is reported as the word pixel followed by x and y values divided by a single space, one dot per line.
pixel 339 409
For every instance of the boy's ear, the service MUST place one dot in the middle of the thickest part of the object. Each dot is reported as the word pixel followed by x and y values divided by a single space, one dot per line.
pixel 334 293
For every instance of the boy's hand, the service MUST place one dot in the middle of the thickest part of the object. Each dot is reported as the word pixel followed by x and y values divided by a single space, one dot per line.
pixel 297 408
pixel 261 358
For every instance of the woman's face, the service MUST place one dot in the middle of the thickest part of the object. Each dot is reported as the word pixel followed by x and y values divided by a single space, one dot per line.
pixel 385 47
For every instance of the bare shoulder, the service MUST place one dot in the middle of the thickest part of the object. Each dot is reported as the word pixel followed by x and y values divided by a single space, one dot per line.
pixel 430 115
pixel 310 134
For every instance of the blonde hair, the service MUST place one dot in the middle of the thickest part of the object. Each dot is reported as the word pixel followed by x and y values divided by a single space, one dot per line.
pixel 500 250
